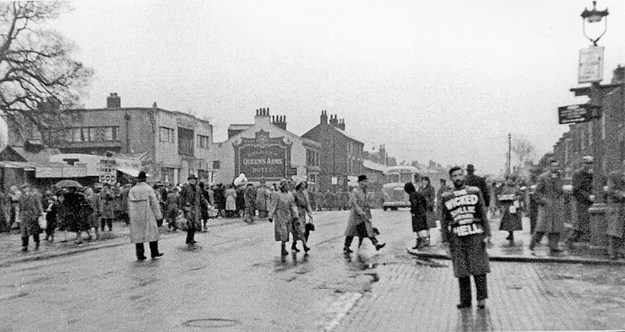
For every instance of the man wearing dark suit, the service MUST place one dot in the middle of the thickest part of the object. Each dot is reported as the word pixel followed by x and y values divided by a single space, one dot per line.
pixel 473 180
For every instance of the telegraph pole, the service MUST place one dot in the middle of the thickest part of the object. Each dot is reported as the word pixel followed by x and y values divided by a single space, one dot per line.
pixel 508 162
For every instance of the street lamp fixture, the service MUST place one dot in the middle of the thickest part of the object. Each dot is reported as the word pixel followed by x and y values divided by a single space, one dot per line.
pixel 595 16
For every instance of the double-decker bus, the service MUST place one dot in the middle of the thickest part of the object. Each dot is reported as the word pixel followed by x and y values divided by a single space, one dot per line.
pixel 395 177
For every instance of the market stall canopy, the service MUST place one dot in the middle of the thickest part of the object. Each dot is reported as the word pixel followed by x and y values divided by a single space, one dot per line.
pixel 68 184
pixel 130 171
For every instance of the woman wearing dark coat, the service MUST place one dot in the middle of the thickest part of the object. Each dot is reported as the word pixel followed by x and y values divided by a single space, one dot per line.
pixel 220 199
pixel 418 210
pixel 428 191
pixel 509 199
pixel 75 211
pixel 51 207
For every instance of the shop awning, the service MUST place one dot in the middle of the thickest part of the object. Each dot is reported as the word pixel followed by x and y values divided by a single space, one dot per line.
pixel 130 171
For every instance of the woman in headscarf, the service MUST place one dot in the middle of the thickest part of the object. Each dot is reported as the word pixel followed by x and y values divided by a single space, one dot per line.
pixel 284 212
pixel 418 208
pixel 303 207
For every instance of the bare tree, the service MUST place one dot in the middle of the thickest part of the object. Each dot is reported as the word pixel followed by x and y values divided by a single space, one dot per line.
pixel 39 81
pixel 523 150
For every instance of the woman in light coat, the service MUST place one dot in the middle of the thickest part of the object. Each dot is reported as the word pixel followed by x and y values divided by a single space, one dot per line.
pixel 231 201
pixel 302 202
pixel 283 212
pixel 144 210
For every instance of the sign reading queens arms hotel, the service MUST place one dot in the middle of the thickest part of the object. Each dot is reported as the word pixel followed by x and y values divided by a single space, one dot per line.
pixel 263 158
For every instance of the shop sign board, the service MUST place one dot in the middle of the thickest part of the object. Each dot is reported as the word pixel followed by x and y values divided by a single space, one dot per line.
pixel 577 113
pixel 108 170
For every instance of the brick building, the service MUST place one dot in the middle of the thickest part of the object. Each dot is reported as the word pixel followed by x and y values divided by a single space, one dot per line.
pixel 578 140
pixel 170 144
pixel 341 154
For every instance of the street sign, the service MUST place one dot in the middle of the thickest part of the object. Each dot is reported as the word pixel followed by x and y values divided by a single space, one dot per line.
pixel 591 65
pixel 108 171
pixel 577 113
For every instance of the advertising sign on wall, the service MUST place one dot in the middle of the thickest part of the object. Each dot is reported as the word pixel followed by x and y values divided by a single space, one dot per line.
pixel 262 158
pixel 268 162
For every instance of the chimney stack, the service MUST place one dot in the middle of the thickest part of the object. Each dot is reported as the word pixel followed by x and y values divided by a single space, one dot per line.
pixel 324 117
pixel 341 124
pixel 619 75
pixel 279 121
pixel 113 101
pixel 333 120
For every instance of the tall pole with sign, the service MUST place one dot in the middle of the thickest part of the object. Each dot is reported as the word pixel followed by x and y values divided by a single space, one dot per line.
pixel 591 71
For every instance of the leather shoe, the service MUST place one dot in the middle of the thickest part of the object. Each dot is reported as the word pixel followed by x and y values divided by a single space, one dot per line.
pixel 463 305
pixel 157 255
pixel 379 246
pixel 141 258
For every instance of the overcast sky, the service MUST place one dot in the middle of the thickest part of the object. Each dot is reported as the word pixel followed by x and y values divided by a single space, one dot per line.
pixel 443 80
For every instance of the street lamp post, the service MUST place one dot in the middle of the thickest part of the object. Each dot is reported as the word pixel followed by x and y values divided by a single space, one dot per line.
pixel 594 76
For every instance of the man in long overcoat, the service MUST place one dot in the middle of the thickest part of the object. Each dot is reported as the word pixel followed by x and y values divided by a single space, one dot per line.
pixel 107 207
pixel 144 211
pixel 616 212
pixel 465 227
pixel 359 223
pixel 250 203
pixel 550 197
pixel 30 211
pixel 190 201
pixel 582 193
pixel 262 197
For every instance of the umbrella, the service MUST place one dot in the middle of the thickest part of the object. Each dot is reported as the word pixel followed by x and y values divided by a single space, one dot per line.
pixel 68 184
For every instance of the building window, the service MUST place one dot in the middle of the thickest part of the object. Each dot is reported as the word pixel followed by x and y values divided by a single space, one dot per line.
pixel 166 135
pixel 202 142
pixel 186 142
pixel 91 134
pixel 216 164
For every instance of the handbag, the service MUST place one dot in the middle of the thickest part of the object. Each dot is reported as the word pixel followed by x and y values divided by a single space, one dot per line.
pixel 182 222
pixel 42 221
pixel 212 212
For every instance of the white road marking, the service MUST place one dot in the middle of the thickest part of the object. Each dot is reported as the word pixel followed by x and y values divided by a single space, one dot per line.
pixel 339 308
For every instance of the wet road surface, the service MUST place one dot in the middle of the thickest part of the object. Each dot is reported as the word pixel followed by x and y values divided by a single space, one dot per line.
pixel 237 281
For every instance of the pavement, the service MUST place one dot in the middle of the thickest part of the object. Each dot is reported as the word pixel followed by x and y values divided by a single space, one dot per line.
pixel 503 250
pixel 577 289
pixel 10 243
